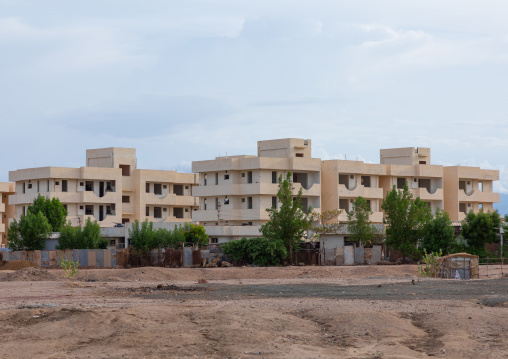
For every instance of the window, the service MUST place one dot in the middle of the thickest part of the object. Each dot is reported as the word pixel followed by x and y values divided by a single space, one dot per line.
pixel 366 181
pixel 81 184
pixel 344 204
pixel 249 177
pixel 147 211
pixel 29 185
pixel 157 188
pixel 216 203
pixel 226 177
pixel 178 189
pixel 401 182
pixel 89 186
pixel 274 202
pixel 214 240
pixel 216 178
pixel 126 199
pixel 108 210
pixel 243 174
pixel 204 180
pixel 80 207
pixel 65 207
pixel 243 200
pixel 125 220
pixel 57 183
pixel 249 202
pixel 89 209
pixel 126 170
pixel 64 185
pixel 368 203
pixel 147 187
pixel 178 212
pixel 186 210
pixel 157 212
pixel 226 201
pixel 164 210
pixel 299 155
pixel 24 187
pixel 186 187
pixel 423 162
pixel 274 176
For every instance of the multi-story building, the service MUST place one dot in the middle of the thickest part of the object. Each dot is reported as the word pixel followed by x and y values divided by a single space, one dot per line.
pixel 109 189
pixel 344 181
pixel 235 191
pixel 469 188
pixel 6 210
pixel 412 166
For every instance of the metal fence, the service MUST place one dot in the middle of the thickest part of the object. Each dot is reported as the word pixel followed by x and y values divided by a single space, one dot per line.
pixel 493 267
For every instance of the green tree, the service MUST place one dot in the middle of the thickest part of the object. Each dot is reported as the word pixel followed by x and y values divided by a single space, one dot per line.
pixel 439 234
pixel 360 228
pixel 195 234
pixel 481 228
pixel 88 237
pixel 52 209
pixel 70 237
pixel 405 219
pixel 141 238
pixel 289 222
pixel 29 233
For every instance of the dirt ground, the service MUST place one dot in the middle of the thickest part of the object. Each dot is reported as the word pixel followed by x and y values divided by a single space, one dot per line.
pixel 292 312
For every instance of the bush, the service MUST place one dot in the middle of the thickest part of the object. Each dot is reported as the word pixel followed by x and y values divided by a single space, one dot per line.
pixel 87 238
pixel 258 251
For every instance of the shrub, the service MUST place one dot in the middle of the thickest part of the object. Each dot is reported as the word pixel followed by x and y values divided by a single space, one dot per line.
pixel 258 251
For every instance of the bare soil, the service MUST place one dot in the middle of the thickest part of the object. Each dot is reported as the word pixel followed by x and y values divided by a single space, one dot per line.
pixel 293 312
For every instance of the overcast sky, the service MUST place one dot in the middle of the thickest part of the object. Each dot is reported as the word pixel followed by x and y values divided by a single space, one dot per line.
pixel 191 80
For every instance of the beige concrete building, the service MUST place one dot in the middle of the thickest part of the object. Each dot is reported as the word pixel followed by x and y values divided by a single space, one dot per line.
pixel 6 210
pixel 109 189
pixel 456 190
pixel 469 188
pixel 235 191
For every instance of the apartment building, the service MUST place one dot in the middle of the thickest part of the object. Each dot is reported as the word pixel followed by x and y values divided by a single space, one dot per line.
pixel 235 191
pixel 412 166
pixel 469 188
pixel 6 210
pixel 344 181
pixel 109 189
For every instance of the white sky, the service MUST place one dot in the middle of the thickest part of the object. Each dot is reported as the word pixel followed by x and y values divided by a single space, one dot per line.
pixel 191 80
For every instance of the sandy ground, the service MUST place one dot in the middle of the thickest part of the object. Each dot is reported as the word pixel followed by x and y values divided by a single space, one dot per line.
pixel 293 312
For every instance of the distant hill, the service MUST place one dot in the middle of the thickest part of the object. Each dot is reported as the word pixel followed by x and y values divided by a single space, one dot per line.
pixel 502 206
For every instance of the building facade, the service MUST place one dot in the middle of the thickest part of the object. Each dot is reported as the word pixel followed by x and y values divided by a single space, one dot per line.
pixel 6 210
pixel 235 191
pixel 109 189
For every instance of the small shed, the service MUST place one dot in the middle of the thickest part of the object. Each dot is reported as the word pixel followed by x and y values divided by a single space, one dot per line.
pixel 463 265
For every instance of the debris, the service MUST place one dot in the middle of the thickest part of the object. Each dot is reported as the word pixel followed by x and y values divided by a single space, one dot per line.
pixel 202 281
pixel 225 264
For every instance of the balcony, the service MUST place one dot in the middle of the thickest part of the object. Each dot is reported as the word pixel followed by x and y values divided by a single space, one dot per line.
pixel 91 197
pixel 365 192
pixel 169 200
pixel 244 215
pixel 28 198
pixel 425 195
pixel 247 189
pixel 478 196
pixel 375 217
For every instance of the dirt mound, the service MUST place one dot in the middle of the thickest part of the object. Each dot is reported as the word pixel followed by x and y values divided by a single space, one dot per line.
pixel 29 274
pixel 16 265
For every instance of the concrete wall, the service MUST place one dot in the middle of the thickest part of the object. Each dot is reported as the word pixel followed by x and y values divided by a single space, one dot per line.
pixel 99 258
